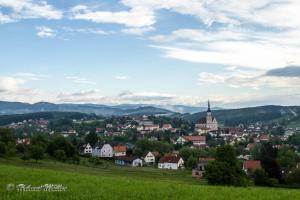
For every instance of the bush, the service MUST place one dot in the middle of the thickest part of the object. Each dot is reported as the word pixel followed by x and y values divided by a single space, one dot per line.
pixel 191 162
pixel 225 170
pixel 260 177
pixel 60 155
pixel 222 173
pixel 76 159
pixel 36 152
pixel 95 160
pixel 20 148
pixel 2 149
pixel 294 177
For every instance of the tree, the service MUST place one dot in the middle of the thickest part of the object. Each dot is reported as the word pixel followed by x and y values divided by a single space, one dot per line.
pixel 227 154
pixel 222 173
pixel 191 162
pixel 294 177
pixel 2 149
pixel 260 177
pixel 287 157
pixel 91 138
pixel 294 140
pixel 225 170
pixel 21 148
pixel 60 155
pixel 58 142
pixel 36 152
pixel 278 131
pixel 6 135
pixel 269 161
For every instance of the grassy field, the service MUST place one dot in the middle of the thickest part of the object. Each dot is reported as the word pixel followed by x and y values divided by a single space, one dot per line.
pixel 111 182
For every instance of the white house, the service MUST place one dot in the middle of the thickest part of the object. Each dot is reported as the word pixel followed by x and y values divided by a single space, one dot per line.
pixel 171 162
pixel 106 151
pixel 149 158
pixel 129 161
pixel 88 149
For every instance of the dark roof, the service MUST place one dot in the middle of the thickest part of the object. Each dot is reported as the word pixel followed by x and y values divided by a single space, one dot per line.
pixel 169 159
pixel 202 120
pixel 208 105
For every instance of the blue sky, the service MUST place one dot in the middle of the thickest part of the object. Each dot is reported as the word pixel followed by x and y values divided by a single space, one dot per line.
pixel 150 51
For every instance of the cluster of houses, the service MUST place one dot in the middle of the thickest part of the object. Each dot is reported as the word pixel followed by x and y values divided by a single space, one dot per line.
pixel 119 155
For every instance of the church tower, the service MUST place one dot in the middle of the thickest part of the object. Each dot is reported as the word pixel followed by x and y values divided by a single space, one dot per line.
pixel 209 119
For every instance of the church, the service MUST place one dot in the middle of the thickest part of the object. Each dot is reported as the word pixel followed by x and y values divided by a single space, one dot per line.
pixel 208 123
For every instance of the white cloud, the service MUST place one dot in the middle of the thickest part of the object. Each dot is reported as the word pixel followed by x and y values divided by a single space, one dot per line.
pixel 5 19
pixel 244 79
pixel 80 80
pixel 10 83
pixel 45 32
pixel 135 17
pixel 232 46
pixel 28 9
pixel 119 77
pixel 138 30
pixel 30 76
pixel 86 30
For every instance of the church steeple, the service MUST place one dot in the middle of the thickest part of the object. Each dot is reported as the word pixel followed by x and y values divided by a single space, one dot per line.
pixel 208 105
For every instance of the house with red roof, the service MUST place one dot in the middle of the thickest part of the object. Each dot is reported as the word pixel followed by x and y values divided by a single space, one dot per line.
pixel 171 162
pixel 250 165
pixel 120 150
pixel 166 127
pixel 264 138
pixel 197 140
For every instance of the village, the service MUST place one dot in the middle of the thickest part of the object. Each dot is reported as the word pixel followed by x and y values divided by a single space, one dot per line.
pixel 149 141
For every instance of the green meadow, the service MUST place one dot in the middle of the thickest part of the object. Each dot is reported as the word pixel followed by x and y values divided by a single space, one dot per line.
pixel 111 182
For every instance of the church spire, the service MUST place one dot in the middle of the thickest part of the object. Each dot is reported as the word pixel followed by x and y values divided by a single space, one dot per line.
pixel 208 105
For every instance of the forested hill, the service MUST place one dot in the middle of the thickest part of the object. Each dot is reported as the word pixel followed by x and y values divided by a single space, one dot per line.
pixel 7 119
pixel 232 117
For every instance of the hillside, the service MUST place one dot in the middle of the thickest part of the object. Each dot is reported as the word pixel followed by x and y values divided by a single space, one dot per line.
pixel 231 117
pixel 122 183
pixel 7 119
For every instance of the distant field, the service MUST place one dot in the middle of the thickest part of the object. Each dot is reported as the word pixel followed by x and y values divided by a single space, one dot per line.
pixel 121 183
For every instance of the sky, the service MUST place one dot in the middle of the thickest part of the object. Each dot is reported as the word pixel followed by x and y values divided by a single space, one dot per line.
pixel 235 53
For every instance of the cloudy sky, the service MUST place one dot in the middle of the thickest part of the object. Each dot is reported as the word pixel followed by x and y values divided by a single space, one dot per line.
pixel 235 53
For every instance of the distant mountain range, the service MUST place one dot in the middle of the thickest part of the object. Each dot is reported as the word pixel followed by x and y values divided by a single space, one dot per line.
pixel 7 108
pixel 105 110
pixel 228 117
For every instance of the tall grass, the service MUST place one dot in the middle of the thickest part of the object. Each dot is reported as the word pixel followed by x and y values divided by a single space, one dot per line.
pixel 82 185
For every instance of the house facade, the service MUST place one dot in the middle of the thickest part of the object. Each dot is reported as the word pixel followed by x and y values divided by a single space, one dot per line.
pixel 106 151
pixel 150 158
pixel 129 161
pixel 197 140
pixel 171 162
pixel 88 149
pixel 120 150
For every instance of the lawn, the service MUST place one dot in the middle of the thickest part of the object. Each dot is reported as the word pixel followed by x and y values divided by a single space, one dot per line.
pixel 120 183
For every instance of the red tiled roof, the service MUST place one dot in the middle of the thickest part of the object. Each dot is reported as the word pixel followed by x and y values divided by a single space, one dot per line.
pixel 193 138
pixel 252 164
pixel 169 159
pixel 264 137
pixel 167 126
pixel 120 148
